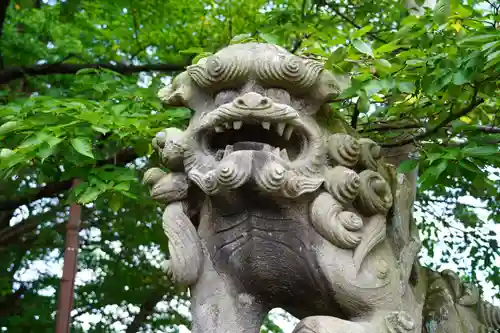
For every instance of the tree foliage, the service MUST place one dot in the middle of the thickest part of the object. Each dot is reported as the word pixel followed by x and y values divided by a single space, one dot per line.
pixel 78 100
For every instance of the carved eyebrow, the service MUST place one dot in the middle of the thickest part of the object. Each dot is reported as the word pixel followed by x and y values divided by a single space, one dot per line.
pixel 218 73
pixel 291 73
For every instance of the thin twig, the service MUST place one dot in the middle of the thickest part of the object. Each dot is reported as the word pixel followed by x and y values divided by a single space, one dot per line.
pixel 14 73
pixel 136 29
pixel 348 20
pixel 355 116
pixel 473 104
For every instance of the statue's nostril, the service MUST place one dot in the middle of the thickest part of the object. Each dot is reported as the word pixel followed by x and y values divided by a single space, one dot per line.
pixel 264 102
pixel 240 102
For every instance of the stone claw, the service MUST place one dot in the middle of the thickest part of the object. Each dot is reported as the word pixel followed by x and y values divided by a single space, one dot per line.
pixel 169 145
pixel 153 176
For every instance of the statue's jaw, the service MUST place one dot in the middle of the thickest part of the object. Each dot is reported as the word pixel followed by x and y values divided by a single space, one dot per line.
pixel 281 139
pixel 271 148
pixel 276 129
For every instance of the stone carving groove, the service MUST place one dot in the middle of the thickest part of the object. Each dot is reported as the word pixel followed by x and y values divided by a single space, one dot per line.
pixel 265 208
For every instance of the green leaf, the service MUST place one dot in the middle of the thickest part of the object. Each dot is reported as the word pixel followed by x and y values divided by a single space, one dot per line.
pixel 460 78
pixel 337 56
pixel 372 87
pixel 269 38
pixel 35 140
pixel 116 202
pixel 201 56
pixel 382 63
pixel 100 129
pixel 481 151
pixel 439 83
pixel 406 87
pixel 363 104
pixel 469 166
pixel 46 151
pixel 415 62
pixel 122 187
pixel 241 38
pixel 90 194
pixel 493 59
pixel 408 165
pixel 478 39
pixel 5 153
pixel 192 50
pixel 9 127
pixel 387 48
pixel 490 45
pixel 83 146
pixel 440 168
pixel 362 47
pixel 363 31
pixel 442 10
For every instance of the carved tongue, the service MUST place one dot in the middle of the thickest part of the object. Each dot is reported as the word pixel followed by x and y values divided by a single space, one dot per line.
pixel 250 145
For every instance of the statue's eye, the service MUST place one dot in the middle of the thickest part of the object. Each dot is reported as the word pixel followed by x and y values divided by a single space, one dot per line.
pixel 225 96
pixel 278 95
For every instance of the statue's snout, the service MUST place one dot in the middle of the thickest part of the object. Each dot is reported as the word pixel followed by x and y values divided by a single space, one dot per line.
pixel 252 101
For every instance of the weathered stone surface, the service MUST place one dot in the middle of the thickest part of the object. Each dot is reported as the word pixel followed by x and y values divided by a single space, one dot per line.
pixel 268 208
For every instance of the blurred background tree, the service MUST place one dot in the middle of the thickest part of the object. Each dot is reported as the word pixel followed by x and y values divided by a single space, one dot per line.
pixel 78 83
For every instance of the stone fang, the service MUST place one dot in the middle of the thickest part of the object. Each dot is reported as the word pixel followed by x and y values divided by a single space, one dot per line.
pixel 288 132
pixel 280 127
pixel 237 124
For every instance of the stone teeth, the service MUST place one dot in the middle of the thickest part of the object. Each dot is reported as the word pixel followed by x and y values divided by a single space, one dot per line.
pixel 227 125
pixel 218 129
pixel 276 151
pixel 280 127
pixel 266 125
pixel 219 155
pixel 288 132
pixel 229 150
pixel 284 155
pixel 237 124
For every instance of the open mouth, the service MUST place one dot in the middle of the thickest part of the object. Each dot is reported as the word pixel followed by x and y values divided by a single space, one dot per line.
pixel 284 139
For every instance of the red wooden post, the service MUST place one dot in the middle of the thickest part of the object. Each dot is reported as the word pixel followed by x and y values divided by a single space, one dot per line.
pixel 66 289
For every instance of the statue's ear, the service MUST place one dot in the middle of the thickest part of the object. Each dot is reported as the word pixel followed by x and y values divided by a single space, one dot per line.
pixel 179 92
pixel 330 85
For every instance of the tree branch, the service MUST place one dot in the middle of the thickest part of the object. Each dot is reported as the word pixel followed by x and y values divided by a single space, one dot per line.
pixel 385 128
pixel 146 309
pixel 52 189
pixel 473 104
pixel 136 29
pixel 13 73
pixel 355 116
pixel 4 4
pixel 9 304
pixel 48 190
pixel 25 226
pixel 389 127
pixel 487 129
pixel 351 22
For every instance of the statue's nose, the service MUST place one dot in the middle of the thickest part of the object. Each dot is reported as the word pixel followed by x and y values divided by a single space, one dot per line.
pixel 252 100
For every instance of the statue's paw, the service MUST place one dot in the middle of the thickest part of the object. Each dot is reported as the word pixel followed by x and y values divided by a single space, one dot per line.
pixel 170 147
pixel 324 324
pixel 153 176
pixel 166 187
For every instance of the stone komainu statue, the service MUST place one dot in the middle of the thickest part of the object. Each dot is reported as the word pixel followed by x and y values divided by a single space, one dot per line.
pixel 266 207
